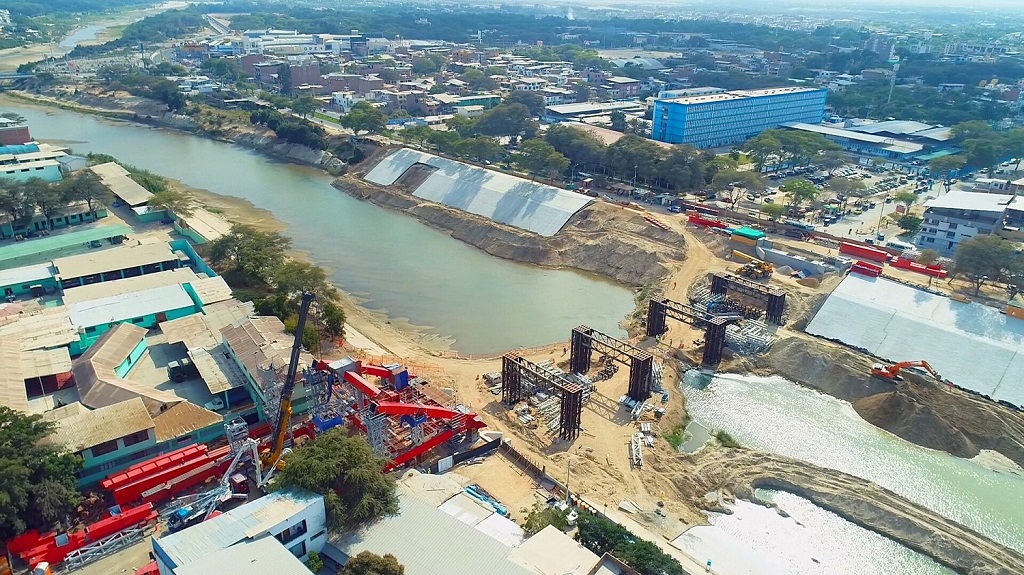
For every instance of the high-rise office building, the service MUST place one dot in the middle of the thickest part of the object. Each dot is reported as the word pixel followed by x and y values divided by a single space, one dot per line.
pixel 712 120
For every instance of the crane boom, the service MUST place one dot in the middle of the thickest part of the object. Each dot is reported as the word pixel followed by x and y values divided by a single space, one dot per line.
pixel 270 457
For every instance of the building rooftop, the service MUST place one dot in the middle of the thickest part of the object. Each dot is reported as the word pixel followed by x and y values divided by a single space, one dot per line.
pixel 210 290
pixel 54 242
pixel 552 552
pixel 12 384
pixel 740 94
pixel 48 328
pixel 183 419
pixel 98 426
pixel 265 556
pixel 101 290
pixel 249 521
pixel 129 306
pixel 112 259
pixel 99 385
pixel 264 347
pixel 428 541
pixel 592 107
pixel 25 274
pixel 200 331
pixel 973 201
pixel 883 142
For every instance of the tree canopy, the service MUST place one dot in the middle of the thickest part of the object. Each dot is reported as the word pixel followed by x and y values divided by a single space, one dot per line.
pixel 248 257
pixel 602 536
pixel 367 563
pixel 37 480
pixel 532 100
pixel 347 472
pixel 539 157
pixel 799 191
pixel 364 117
pixel 983 258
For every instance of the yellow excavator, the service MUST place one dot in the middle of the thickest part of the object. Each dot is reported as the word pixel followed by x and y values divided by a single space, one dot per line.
pixel 753 268
pixel 271 457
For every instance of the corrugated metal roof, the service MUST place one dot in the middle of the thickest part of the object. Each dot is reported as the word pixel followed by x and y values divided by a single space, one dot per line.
pixel 551 552
pixel 37 246
pixel 98 386
pixel 48 328
pixel 218 370
pixel 183 419
pixel 265 556
pixel 12 383
pixel 429 542
pixel 199 331
pixel 94 427
pixel 25 274
pixel 262 344
pixel 176 276
pixel 70 410
pixel 208 225
pixel 117 180
pixel 211 290
pixel 248 521
pixel 503 198
pixel 128 306
pixel 44 362
pixel 112 259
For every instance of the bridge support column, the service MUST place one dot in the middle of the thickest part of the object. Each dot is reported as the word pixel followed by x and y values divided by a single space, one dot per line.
pixel 657 314
pixel 714 341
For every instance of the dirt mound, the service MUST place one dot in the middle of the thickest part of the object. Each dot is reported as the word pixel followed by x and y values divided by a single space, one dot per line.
pixel 829 368
pixel 614 242
pixel 902 415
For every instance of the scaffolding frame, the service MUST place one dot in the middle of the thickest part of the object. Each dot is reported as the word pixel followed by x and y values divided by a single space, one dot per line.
pixel 587 339
pixel 516 369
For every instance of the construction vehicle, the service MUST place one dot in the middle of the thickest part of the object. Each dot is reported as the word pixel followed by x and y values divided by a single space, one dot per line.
pixel 754 268
pixel 271 457
pixel 892 372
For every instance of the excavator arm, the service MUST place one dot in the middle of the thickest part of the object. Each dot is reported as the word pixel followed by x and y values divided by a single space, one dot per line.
pixel 270 457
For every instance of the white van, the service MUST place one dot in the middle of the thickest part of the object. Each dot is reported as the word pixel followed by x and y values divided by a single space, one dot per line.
pixel 901 246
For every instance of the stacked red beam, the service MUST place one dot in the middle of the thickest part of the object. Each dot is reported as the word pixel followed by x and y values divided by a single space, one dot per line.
pixel 709 222
pixel 864 252
pixel 866 269
pixel 45 547
pixel 933 270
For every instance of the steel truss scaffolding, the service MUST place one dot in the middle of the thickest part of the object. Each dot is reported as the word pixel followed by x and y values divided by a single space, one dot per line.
pixel 519 373
pixel 585 340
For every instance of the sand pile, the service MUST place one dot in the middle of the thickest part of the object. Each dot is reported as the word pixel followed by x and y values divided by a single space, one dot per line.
pixel 902 415
pixel 832 369
pixel 809 282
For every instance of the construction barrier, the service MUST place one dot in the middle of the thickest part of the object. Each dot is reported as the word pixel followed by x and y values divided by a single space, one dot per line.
pixel 933 270
pixel 864 252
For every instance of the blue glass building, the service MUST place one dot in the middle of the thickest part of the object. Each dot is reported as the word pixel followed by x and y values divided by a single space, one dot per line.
pixel 713 120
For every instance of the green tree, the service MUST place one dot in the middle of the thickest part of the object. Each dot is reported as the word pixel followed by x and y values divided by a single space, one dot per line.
pixel 832 160
pixel 683 169
pixel 618 121
pixel 37 479
pixel 48 198
pixel 844 186
pixel 799 191
pixel 284 79
pixel 429 64
pixel 982 258
pixel 173 202
pixel 249 256
pixel 582 148
pixel 946 167
pixel 347 472
pixel 973 130
pixel 507 120
pixel 905 198
pixel 478 81
pixel 364 117
pixel 982 154
pixel 86 187
pixel 762 148
pixel 582 92
pixel 602 536
pixel 305 105
pixel 539 157
pixel 927 257
pixel 540 516
pixel 367 563
pixel 730 178
pixel 293 277
pixel 772 211
pixel 532 100
pixel 314 563
pixel 910 223
pixel 332 317
pixel 13 202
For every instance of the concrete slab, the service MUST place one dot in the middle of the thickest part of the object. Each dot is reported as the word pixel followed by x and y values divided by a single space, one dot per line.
pixel 975 346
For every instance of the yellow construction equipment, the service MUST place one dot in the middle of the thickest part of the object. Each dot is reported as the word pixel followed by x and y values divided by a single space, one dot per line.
pixel 754 268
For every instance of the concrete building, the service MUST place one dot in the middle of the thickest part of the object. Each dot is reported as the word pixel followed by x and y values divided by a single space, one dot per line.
pixel 116 263
pixel 27 281
pixel 144 308
pixel 731 117
pixel 260 557
pixel 583 110
pixel 31 373
pixel 957 216
pixel 13 133
pixel 294 522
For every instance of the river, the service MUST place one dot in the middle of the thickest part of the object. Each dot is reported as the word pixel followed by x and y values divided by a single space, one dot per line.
pixel 775 415
pixel 391 261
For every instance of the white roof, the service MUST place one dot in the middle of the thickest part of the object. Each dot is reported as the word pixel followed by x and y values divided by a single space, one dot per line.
pixel 552 552
pixel 48 328
pixel 973 201
pixel 127 306
pixel 975 346
pixel 249 521
pixel 100 290
pixel 25 275
pixel 503 198
pixel 266 556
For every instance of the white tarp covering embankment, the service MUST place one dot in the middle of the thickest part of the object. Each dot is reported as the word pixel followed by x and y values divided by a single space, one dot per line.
pixel 974 346
pixel 503 198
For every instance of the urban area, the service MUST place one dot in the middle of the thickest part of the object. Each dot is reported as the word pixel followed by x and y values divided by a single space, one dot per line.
pixel 433 288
